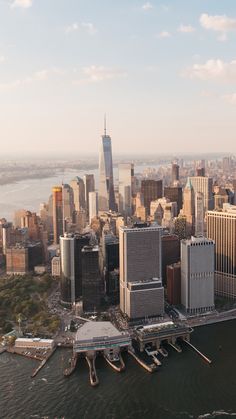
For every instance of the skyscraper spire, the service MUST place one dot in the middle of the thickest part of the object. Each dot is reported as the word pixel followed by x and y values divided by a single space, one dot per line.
pixel 105 125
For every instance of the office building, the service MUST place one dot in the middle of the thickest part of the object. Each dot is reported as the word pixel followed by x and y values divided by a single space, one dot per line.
pixel 174 174
pixel 197 275
pixel 205 186
pixel 174 194
pixel 89 184
pixel 151 190
pixel 170 252
pixel 141 291
pixel 221 227
pixel 77 185
pixel 106 195
pixel 126 188
pixel 173 273
pixel 71 246
pixel 91 283
pixel 57 207
pixel 93 205
pixel 189 207
pixel 68 201
pixel 199 214
pixel 21 258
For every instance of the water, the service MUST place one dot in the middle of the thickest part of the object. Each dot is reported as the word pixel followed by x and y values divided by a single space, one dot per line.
pixel 184 387
pixel 30 193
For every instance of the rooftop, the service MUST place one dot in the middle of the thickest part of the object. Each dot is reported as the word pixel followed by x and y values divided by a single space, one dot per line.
pixel 93 330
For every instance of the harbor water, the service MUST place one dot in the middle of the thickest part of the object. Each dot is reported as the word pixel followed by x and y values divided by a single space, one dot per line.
pixel 184 386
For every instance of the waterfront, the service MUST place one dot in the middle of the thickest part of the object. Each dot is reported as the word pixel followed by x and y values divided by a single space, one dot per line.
pixel 29 194
pixel 184 387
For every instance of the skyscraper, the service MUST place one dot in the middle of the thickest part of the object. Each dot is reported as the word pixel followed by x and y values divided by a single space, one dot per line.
pixel 204 185
pixel 93 205
pixel 221 227
pixel 151 190
pixel 57 213
pixel 89 184
pixel 197 275
pixel 68 202
pixel 126 187
pixel 106 195
pixel 189 206
pixel 199 214
pixel 77 185
pixel 141 291
pixel 174 174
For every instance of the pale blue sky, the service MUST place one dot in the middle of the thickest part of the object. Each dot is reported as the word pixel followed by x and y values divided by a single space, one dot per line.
pixel 163 71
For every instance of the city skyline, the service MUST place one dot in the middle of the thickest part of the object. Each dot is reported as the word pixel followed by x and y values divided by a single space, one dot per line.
pixel 162 61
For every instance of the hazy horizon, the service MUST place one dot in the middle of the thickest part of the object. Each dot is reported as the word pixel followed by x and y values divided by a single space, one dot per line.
pixel 164 72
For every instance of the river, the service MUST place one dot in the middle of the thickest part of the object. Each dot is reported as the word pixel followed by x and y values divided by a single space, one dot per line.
pixel 30 193
pixel 184 387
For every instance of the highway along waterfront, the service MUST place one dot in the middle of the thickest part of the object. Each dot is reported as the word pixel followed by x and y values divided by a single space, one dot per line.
pixel 183 387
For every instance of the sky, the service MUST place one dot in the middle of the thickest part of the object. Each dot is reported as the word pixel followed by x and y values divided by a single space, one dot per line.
pixel 164 72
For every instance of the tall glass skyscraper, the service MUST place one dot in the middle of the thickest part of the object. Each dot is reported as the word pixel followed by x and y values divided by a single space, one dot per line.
pixel 106 196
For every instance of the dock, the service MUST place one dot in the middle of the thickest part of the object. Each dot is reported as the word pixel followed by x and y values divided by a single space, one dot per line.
pixel 44 361
pixel 150 368
pixel 204 357
pixel 73 363
pixel 94 381
pixel 117 368
pixel 175 346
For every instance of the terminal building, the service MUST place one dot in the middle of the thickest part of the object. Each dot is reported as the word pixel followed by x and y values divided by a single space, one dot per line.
pixel 103 337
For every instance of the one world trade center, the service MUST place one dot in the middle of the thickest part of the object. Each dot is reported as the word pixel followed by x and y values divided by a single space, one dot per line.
pixel 106 195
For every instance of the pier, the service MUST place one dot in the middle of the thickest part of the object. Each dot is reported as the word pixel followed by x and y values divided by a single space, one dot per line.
pixel 150 368
pixel 112 363
pixel 176 347
pixel 44 361
pixel 94 381
pixel 73 363
pixel 198 352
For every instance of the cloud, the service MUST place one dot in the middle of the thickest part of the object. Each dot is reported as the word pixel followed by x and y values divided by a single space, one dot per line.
pixel 96 74
pixel 25 4
pixel 164 34
pixel 216 70
pixel 38 76
pixel 147 6
pixel 231 98
pixel 218 23
pixel 87 26
pixel 186 28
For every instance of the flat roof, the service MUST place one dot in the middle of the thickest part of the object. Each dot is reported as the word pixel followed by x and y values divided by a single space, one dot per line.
pixel 30 340
pixel 93 330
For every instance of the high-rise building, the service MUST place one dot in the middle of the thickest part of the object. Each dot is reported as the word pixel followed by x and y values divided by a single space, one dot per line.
pixel 170 252
pixel 189 206
pixel 234 188
pixel 77 185
pixel 173 273
pixel 106 196
pixel 221 227
pixel 71 266
pixel 174 194
pixel 199 214
pixel 91 284
pixel 126 188
pixel 68 201
pixel 174 174
pixel 93 205
pixel 141 291
pixel 151 190
pixel 89 184
pixel 197 275
pixel 23 257
pixel 226 164
pixel 57 213
pixel 205 186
